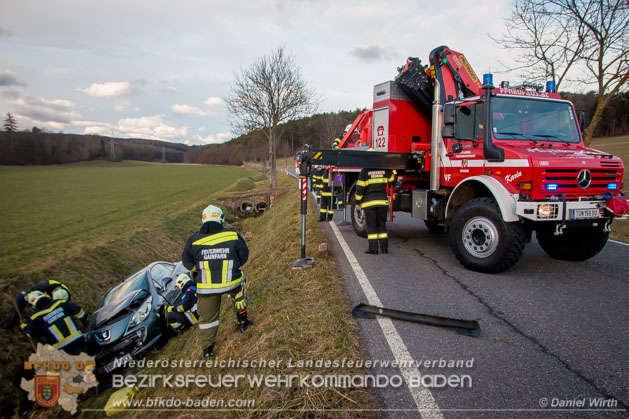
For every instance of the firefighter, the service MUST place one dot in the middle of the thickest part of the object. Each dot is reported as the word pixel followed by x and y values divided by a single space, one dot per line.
pixel 53 321
pixel 371 197
pixel 215 255
pixel 317 182
pixel 325 209
pixel 185 314
pixel 52 289
pixel 337 140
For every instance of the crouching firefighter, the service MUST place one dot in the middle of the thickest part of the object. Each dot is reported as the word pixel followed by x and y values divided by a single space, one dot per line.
pixel 371 195
pixel 53 321
pixel 185 314
pixel 52 289
pixel 215 255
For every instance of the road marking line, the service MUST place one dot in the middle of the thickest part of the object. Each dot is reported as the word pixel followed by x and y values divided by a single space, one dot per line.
pixel 615 241
pixel 422 396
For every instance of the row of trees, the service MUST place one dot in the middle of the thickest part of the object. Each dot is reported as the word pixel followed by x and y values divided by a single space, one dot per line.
pixel 20 148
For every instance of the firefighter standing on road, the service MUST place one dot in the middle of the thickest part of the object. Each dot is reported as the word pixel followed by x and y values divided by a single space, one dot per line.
pixel 185 314
pixel 53 322
pixel 371 196
pixel 325 211
pixel 215 255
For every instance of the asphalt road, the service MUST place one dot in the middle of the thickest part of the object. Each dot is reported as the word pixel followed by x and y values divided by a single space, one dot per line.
pixel 554 334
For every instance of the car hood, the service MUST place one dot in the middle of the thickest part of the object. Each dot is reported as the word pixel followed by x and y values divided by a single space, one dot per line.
pixel 108 312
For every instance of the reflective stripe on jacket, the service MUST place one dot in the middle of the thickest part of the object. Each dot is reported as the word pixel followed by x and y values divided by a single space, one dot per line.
pixel 371 187
pixel 54 323
pixel 215 254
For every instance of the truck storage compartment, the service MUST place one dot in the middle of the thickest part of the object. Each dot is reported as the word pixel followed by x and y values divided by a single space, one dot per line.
pixel 415 83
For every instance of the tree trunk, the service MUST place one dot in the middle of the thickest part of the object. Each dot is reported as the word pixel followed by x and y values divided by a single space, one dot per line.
pixel 272 159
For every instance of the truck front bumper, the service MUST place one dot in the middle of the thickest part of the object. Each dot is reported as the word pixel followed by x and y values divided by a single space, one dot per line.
pixel 555 211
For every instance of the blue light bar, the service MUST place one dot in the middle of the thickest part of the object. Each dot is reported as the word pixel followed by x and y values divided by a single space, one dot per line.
pixel 552 187
pixel 488 78
pixel 550 86
pixel 612 186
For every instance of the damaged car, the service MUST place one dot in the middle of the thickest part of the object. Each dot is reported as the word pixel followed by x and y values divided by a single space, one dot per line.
pixel 129 319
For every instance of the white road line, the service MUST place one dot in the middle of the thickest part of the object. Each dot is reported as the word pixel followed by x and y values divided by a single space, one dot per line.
pixel 617 242
pixel 423 398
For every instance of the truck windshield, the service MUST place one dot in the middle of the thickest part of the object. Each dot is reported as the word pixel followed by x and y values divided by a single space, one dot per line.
pixel 536 120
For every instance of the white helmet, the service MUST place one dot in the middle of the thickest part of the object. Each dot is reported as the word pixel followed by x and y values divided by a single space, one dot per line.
pixel 60 293
pixel 212 213
pixel 181 281
pixel 34 296
pixel 347 127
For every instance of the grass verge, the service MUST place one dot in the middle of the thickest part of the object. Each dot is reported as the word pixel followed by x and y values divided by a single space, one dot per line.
pixel 299 316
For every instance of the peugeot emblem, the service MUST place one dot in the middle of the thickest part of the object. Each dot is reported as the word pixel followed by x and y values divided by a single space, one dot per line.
pixel 584 178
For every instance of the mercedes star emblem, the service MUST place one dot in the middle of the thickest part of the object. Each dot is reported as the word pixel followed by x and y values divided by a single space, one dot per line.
pixel 584 178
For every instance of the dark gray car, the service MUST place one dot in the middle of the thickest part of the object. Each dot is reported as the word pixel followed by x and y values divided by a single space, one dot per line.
pixel 129 319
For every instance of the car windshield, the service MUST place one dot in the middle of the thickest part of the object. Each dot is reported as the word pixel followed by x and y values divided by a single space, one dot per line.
pixel 160 272
pixel 137 282
pixel 536 120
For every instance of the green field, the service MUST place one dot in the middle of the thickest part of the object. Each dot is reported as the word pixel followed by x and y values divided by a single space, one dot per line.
pixel 50 211
pixel 91 225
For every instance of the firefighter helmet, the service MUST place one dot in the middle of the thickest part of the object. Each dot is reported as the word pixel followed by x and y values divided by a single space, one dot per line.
pixel 34 296
pixel 181 281
pixel 60 293
pixel 212 213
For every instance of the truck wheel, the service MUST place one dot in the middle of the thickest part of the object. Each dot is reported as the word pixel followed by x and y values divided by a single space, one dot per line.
pixel 358 217
pixel 481 240
pixel 434 227
pixel 573 245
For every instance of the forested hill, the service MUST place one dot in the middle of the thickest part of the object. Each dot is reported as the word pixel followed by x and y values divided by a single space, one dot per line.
pixel 38 147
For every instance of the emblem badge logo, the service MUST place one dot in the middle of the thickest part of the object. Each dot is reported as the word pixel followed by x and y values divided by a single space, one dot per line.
pixel 47 390
pixel 584 178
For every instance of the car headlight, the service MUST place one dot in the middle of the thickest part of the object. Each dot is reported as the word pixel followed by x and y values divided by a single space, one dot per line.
pixel 141 313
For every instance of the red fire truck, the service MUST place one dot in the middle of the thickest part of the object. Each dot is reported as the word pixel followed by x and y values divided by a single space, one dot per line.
pixel 490 165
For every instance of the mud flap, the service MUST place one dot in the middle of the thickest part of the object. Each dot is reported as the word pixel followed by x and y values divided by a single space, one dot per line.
pixel 462 327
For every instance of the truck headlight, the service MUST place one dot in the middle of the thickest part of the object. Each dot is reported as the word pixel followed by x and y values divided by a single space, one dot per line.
pixel 141 313
pixel 547 210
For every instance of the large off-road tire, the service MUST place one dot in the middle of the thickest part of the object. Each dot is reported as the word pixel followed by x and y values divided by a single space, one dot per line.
pixel 481 240
pixel 434 227
pixel 573 245
pixel 358 217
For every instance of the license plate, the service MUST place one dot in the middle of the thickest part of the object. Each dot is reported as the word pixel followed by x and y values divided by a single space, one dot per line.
pixel 118 362
pixel 579 214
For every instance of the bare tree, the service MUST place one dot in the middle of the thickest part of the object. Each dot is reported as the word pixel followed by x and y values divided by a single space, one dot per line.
pixel 9 123
pixel 582 41
pixel 267 94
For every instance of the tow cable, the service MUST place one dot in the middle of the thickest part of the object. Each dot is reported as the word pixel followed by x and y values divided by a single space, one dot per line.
pixel 462 327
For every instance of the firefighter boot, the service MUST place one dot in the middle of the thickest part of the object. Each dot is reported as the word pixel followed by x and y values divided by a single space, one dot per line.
pixel 209 351
pixel 243 322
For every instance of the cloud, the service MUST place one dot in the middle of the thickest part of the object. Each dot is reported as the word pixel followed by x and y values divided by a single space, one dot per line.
pixel 6 33
pixel 9 78
pixel 219 138
pixel 172 89
pixel 213 102
pixel 108 89
pixel 187 110
pixel 151 127
pixel 370 53
pixel 122 106
pixel 43 110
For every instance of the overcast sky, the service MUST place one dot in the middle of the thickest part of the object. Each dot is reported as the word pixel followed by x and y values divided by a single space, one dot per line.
pixel 158 69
